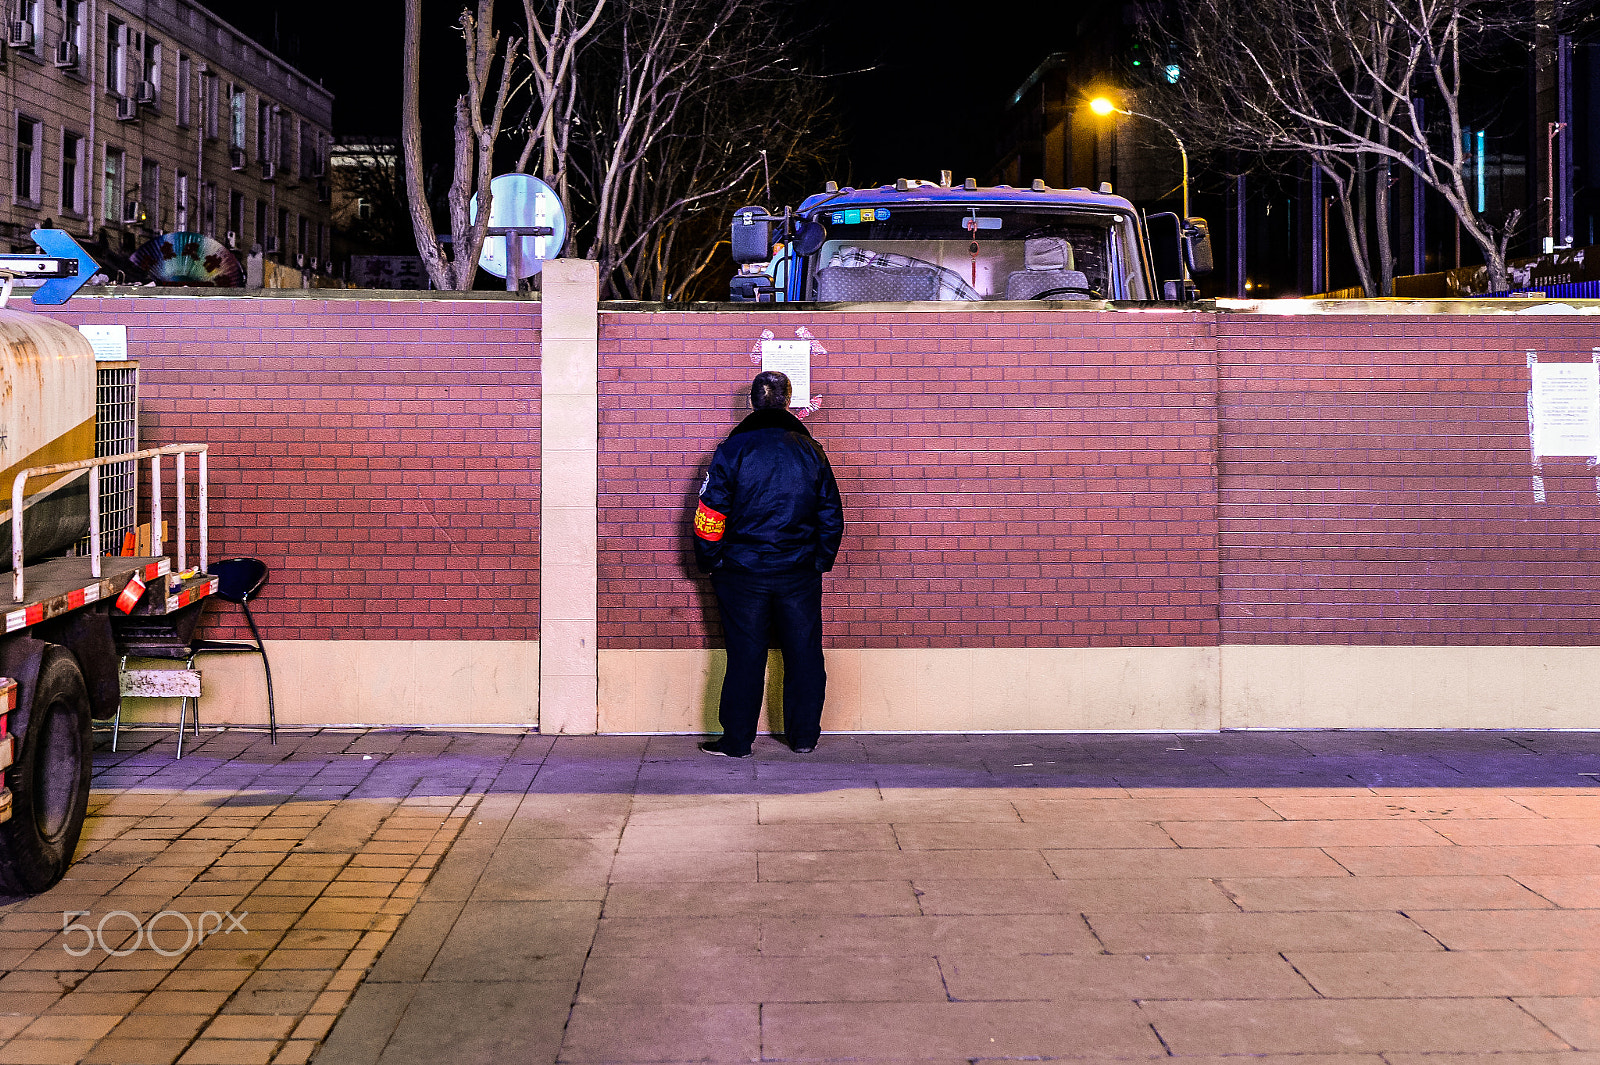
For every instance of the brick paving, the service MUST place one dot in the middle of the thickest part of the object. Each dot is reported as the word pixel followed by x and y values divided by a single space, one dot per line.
pixel 1326 898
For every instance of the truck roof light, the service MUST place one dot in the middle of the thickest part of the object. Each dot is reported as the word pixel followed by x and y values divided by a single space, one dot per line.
pixel 1105 188
pixel 901 184
pixel 1039 185
pixel 832 186
pixel 970 184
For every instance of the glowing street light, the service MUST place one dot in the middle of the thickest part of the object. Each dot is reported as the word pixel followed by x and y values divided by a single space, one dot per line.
pixel 1101 106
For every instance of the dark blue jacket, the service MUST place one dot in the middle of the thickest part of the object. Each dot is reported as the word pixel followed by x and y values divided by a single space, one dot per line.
pixel 769 503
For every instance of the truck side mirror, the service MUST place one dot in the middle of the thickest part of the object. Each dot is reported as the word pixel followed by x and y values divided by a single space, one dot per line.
pixel 1197 247
pixel 752 235
pixel 1166 253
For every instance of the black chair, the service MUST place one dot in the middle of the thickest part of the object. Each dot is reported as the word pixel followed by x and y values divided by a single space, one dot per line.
pixel 171 636
pixel 239 580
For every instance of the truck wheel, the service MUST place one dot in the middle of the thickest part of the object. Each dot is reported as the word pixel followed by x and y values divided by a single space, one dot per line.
pixel 49 780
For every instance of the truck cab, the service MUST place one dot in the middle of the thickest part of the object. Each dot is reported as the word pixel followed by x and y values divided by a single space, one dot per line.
pixel 921 240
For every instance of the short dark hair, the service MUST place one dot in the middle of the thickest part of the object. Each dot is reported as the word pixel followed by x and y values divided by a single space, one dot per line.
pixel 770 390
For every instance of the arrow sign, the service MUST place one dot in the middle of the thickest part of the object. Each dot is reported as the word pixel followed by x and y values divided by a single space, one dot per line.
pixel 78 268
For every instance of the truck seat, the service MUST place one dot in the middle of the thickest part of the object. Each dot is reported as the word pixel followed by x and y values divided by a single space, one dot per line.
pixel 1028 284
pixel 877 284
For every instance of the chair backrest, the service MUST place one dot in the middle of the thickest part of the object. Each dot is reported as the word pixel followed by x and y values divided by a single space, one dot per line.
pixel 239 579
pixel 877 284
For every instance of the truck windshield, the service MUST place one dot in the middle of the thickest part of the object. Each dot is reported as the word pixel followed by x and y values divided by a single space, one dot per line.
pixel 925 253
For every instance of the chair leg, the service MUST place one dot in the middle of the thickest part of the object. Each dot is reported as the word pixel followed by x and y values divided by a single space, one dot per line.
pixel 116 721
pixel 272 710
pixel 183 712
pixel 190 665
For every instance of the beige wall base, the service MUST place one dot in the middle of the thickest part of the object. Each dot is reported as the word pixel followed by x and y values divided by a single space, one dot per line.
pixel 1410 687
pixel 367 682
pixel 934 689
pixel 444 682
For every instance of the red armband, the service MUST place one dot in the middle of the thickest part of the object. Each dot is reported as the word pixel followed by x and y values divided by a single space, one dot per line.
pixel 708 524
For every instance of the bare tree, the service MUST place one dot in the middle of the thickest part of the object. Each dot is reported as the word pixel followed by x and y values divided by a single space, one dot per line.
pixel 558 33
pixel 480 113
pixel 662 138
pixel 1346 82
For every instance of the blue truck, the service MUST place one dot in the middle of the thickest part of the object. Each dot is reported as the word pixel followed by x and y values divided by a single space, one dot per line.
pixel 923 240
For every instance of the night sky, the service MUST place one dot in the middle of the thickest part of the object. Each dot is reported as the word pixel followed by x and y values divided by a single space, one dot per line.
pixel 942 71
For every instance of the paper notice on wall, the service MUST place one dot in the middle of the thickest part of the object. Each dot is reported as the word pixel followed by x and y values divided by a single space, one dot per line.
pixel 792 358
pixel 110 342
pixel 1566 409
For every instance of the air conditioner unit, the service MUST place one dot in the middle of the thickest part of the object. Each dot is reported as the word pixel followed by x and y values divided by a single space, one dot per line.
pixel 268 169
pixel 20 34
pixel 236 158
pixel 66 54
pixel 127 109
pixel 231 240
pixel 146 94
pixel 132 214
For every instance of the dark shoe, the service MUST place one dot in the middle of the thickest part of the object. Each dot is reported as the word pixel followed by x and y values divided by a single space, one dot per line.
pixel 714 747
pixel 803 749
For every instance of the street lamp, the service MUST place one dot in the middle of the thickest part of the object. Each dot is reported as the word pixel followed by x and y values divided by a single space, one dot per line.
pixel 1103 107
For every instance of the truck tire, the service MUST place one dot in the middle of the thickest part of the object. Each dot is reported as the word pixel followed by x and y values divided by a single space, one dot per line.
pixel 49 780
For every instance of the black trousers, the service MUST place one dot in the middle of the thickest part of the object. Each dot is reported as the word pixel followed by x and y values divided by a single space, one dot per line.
pixel 754 606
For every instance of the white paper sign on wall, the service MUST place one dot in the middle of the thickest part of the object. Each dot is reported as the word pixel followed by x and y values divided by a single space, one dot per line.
pixel 792 358
pixel 110 342
pixel 1566 409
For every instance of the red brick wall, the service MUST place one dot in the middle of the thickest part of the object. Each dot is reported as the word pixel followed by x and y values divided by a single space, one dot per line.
pixel 1376 484
pixel 1010 479
pixel 381 456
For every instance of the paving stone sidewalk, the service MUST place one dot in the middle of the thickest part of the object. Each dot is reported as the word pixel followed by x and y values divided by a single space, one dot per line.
pixel 1324 898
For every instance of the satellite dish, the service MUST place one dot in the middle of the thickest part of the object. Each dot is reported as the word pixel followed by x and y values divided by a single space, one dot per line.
pixel 521 202
pixel 190 260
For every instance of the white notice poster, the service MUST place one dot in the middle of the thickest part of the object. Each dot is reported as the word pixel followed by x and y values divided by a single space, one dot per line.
pixel 1566 409
pixel 110 342
pixel 792 358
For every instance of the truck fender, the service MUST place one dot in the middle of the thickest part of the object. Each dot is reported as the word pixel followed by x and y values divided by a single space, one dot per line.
pixel 87 634
pixel 20 658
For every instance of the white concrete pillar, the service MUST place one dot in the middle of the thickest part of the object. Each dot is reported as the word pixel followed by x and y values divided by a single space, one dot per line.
pixel 569 449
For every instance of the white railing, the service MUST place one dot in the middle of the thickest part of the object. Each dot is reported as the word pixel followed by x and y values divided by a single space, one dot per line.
pixel 181 451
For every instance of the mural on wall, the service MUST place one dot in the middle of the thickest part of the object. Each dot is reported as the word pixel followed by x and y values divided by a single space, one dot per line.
pixel 795 360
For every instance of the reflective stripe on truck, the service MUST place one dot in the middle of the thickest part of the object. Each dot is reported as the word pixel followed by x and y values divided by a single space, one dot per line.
pixel 45 609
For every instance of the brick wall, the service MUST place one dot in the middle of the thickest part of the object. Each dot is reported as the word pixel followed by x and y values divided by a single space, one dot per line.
pixel 1010 479
pixel 381 456
pixel 1376 484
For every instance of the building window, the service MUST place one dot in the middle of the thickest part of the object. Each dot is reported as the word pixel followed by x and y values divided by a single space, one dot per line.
pixel 72 170
pixel 116 56
pixel 235 217
pixel 264 134
pixel 237 116
pixel 302 246
pixel 72 18
pixel 31 13
pixel 150 193
pixel 152 69
pixel 180 97
pixel 180 202
pixel 208 208
pixel 263 238
pixel 210 104
pixel 283 229
pixel 115 178
pixel 30 146
pixel 285 158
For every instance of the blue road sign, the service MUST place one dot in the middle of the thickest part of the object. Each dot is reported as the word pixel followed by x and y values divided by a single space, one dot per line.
pixel 59 243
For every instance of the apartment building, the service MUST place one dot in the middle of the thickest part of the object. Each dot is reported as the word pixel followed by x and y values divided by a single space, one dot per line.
pixel 131 118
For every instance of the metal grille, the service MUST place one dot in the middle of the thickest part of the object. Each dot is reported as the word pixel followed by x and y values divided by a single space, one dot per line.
pixel 116 432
